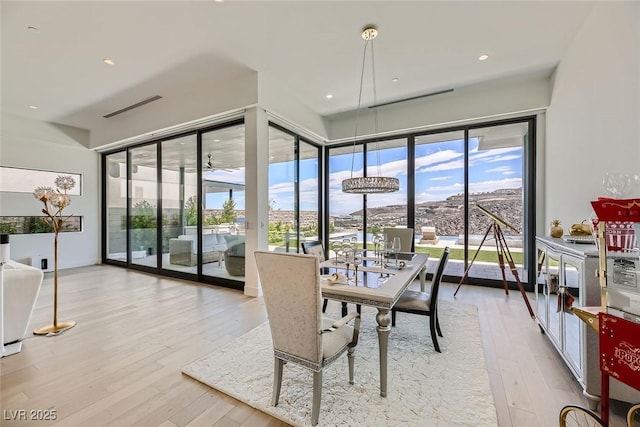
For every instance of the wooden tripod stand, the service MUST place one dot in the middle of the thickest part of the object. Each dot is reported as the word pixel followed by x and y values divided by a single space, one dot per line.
pixel 503 253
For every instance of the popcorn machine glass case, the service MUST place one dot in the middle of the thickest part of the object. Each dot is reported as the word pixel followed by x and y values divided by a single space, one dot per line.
pixel 617 227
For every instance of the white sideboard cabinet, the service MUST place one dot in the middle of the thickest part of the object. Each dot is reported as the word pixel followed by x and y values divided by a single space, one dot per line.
pixel 570 269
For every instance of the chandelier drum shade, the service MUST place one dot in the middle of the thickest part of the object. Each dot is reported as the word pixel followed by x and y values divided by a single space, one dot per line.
pixel 368 184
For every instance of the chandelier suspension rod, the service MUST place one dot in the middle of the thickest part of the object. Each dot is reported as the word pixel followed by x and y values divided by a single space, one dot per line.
pixel 375 111
pixel 355 135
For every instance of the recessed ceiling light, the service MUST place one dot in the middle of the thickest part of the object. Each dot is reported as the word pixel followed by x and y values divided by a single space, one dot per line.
pixel 108 61
pixel 216 140
pixel 329 96
pixel 33 107
pixel 395 80
pixel 483 57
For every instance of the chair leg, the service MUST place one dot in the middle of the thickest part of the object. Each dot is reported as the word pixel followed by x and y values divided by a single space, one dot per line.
pixel 438 325
pixel 344 309
pixel 324 305
pixel 351 357
pixel 434 338
pixel 359 308
pixel 317 395
pixel 393 317
pixel 277 381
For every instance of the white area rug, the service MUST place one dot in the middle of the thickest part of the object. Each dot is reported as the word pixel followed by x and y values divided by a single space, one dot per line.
pixel 425 388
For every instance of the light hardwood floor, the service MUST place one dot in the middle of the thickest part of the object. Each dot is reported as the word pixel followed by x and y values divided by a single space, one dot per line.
pixel 120 366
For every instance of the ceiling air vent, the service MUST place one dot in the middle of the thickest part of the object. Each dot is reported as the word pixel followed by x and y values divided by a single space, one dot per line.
pixel 412 98
pixel 132 106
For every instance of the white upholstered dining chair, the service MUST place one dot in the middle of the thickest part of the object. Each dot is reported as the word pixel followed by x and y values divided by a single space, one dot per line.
pixel 423 303
pixel 315 247
pixel 406 236
pixel 300 333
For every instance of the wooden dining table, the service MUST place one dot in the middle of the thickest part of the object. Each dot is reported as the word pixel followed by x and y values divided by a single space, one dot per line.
pixel 380 286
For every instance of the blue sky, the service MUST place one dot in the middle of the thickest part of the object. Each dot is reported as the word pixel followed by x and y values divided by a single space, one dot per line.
pixel 439 174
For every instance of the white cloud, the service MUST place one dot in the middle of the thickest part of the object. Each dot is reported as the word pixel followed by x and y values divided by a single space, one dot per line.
pixel 283 187
pixel 485 186
pixel 499 169
pixel 426 163
pixel 440 178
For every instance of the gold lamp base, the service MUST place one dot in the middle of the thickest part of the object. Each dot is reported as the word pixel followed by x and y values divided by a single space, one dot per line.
pixel 54 329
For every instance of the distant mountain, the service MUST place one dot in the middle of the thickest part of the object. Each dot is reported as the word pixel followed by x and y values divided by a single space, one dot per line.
pixel 448 215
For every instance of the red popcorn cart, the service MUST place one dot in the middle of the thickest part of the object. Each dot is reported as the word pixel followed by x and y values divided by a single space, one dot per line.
pixel 617 320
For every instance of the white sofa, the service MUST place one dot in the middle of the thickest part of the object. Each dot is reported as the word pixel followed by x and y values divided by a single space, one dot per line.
pixel 184 249
pixel 21 285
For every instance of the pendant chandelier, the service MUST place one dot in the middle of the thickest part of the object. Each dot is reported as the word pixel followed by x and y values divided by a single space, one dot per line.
pixel 368 184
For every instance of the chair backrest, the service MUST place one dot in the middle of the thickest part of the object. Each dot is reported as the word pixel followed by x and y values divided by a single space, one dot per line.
pixel 406 235
pixel 437 277
pixel 292 295
pixel 314 248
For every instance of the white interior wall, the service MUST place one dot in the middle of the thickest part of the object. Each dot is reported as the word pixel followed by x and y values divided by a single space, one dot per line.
pixel 208 99
pixel 39 145
pixel 287 110
pixel 480 101
pixel 594 117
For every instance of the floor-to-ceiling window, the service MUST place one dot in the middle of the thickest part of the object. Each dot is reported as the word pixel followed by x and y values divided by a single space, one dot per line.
pixel 191 187
pixel 115 223
pixel 223 203
pixel 309 191
pixel 283 224
pixel 143 204
pixel 387 210
pixel 176 206
pixel 179 203
pixel 294 190
pixel 439 202
pixel 345 210
pixel 496 171
pixel 446 177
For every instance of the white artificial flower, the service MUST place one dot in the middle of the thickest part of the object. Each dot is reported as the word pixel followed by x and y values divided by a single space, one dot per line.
pixel 43 193
pixel 60 200
pixel 65 182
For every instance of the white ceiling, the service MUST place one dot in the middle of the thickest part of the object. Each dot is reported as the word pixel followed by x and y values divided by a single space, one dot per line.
pixel 312 47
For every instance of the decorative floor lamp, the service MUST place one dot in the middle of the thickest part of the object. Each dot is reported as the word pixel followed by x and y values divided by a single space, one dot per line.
pixel 54 203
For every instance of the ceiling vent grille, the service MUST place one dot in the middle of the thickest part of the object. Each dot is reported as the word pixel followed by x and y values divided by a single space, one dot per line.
pixel 412 98
pixel 132 106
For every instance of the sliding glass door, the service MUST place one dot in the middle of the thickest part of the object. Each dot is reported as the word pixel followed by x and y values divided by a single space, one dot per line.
pixel 283 222
pixel 294 190
pixel 179 204
pixel 496 168
pixel 176 206
pixel 439 197
pixel 309 192
pixel 115 177
pixel 143 204
pixel 387 210
pixel 453 184
pixel 222 202
pixel 346 211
